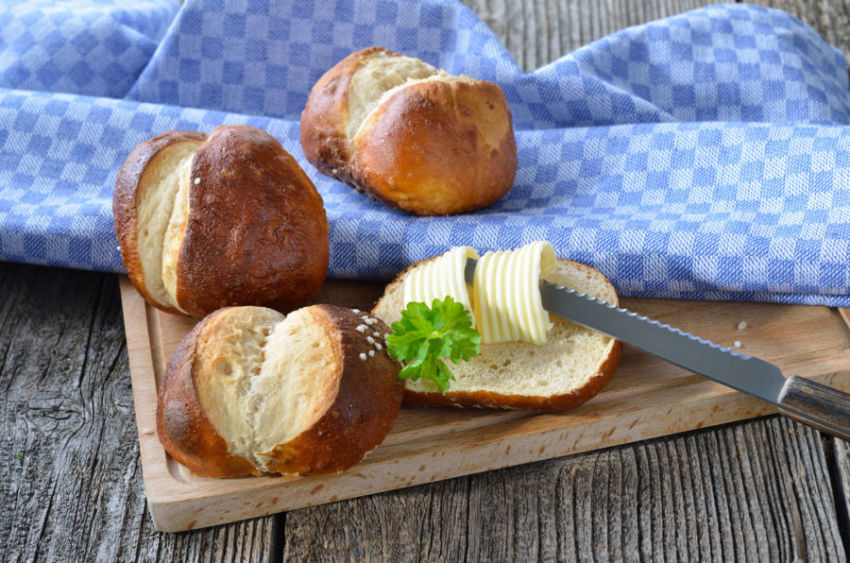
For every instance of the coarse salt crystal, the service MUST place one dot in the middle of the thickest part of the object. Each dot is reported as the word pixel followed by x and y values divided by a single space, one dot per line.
pixel 363 356
pixel 197 181
pixel 737 344
pixel 370 340
pixel 361 328
pixel 356 310
pixel 378 346
pixel 371 353
pixel 742 325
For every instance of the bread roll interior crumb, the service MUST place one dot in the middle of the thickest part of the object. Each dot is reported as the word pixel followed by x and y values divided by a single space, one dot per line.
pixel 380 77
pixel 229 354
pixel 292 386
pixel 176 230
pixel 563 364
pixel 261 378
pixel 156 195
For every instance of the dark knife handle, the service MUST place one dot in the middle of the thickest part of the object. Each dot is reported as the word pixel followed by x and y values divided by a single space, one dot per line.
pixel 817 405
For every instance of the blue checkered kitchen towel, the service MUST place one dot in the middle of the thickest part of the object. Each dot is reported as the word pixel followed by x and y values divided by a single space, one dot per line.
pixel 702 156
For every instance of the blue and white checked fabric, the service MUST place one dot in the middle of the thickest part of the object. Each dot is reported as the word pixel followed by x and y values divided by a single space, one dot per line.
pixel 703 156
pixel 95 47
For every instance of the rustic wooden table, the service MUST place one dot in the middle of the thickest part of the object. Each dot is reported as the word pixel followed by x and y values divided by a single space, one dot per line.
pixel 72 486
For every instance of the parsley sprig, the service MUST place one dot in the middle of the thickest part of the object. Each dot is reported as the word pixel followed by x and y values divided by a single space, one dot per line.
pixel 425 335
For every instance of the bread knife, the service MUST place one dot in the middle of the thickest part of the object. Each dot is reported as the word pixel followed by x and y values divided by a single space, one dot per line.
pixel 799 398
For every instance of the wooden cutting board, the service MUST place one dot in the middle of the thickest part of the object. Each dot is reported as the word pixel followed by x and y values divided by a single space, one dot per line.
pixel 647 398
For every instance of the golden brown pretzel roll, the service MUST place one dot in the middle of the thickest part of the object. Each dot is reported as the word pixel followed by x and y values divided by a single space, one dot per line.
pixel 229 218
pixel 250 391
pixel 409 134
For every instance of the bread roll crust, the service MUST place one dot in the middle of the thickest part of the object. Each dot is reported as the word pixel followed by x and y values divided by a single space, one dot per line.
pixel 366 401
pixel 256 231
pixel 554 403
pixel 125 210
pixel 184 430
pixel 466 161
pixel 324 119
pixel 439 146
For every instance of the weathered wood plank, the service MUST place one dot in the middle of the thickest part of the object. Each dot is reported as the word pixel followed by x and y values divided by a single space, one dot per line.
pixel 753 491
pixel 69 462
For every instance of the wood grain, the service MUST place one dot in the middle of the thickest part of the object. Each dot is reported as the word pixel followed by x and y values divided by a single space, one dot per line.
pixel 817 405
pixel 745 492
pixel 69 460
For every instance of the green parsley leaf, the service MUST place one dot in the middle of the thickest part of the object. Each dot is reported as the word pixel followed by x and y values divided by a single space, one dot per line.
pixel 425 335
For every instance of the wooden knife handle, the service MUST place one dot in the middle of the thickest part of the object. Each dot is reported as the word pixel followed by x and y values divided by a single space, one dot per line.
pixel 817 405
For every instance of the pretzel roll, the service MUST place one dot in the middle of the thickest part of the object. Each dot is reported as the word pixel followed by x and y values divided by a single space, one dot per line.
pixel 250 391
pixel 229 218
pixel 409 134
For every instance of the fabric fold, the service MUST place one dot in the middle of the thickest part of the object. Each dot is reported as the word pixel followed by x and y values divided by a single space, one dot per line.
pixel 704 156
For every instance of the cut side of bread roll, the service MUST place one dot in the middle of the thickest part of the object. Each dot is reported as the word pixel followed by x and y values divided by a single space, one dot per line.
pixel 229 218
pixel 572 366
pixel 410 134
pixel 251 391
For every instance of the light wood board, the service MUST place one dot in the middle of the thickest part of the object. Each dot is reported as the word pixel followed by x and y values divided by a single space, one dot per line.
pixel 647 398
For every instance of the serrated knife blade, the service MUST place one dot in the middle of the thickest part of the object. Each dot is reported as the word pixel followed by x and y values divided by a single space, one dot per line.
pixel 807 401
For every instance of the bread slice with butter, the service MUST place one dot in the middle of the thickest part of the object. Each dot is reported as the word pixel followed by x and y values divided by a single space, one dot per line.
pixel 572 366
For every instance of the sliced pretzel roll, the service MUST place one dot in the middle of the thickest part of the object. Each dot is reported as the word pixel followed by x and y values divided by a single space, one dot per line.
pixel 409 134
pixel 250 391
pixel 229 218
pixel 571 367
